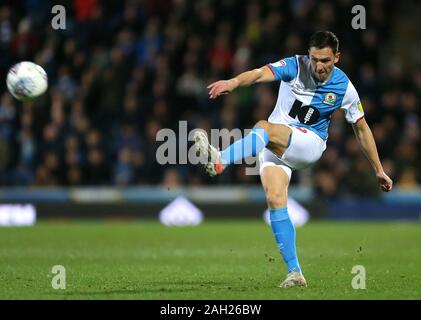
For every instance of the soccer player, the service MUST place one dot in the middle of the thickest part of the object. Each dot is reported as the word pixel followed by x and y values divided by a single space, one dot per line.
pixel 294 137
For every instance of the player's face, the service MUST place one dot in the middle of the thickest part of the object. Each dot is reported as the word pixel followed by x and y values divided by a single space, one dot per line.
pixel 322 62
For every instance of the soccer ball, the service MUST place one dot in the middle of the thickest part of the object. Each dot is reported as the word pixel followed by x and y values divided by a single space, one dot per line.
pixel 26 81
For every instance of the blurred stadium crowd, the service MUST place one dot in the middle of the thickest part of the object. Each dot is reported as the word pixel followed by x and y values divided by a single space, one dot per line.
pixel 122 70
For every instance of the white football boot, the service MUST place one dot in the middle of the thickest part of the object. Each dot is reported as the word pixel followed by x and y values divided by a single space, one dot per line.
pixel 209 152
pixel 294 279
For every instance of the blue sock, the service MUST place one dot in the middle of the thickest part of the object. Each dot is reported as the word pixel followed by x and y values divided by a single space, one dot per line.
pixel 250 145
pixel 284 232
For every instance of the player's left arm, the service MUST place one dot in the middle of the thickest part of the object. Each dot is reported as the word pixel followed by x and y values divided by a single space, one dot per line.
pixel 368 145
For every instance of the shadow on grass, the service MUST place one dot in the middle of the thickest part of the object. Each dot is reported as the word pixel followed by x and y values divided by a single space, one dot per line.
pixel 202 289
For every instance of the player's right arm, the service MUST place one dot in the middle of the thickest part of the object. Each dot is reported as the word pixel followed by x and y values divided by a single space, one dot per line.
pixel 282 70
pixel 263 74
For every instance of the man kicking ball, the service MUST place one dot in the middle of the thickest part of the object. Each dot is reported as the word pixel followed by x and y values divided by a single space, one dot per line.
pixel 294 137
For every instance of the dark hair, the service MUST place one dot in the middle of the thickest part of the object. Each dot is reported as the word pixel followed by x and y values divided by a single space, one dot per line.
pixel 323 39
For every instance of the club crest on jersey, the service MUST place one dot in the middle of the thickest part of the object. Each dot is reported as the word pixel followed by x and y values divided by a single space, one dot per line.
pixel 330 99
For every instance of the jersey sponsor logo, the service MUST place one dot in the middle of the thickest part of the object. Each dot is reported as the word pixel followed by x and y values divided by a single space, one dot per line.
pixel 330 99
pixel 306 114
pixel 360 106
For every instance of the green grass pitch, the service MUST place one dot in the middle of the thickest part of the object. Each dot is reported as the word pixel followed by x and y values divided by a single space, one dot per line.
pixel 221 259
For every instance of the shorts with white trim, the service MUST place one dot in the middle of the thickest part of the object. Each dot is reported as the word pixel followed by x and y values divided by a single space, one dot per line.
pixel 304 149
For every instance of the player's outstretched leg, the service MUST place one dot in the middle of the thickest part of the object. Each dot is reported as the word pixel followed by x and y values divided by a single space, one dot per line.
pixel 213 156
pixel 275 183
pixel 250 145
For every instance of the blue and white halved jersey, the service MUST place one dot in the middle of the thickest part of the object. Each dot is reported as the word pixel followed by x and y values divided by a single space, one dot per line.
pixel 303 101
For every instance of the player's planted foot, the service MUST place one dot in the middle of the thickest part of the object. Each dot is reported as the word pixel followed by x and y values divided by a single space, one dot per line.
pixel 214 165
pixel 294 279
